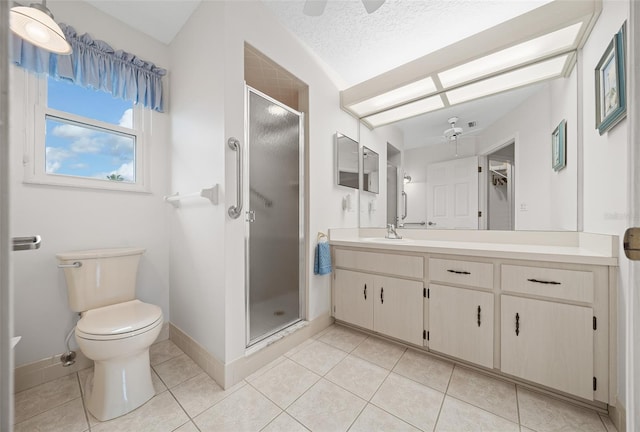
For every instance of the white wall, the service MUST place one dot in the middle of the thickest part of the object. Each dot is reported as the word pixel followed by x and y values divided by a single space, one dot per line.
pixel 606 171
pixel 550 197
pixel 73 219
pixel 207 277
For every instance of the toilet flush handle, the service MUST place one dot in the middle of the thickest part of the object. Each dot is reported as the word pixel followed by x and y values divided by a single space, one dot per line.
pixel 76 264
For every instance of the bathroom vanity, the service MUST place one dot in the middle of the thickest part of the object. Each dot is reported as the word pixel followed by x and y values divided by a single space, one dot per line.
pixel 537 307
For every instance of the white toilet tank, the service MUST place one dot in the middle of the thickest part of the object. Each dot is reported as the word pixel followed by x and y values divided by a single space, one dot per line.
pixel 105 277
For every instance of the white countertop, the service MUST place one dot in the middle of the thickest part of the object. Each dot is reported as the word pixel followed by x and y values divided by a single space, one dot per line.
pixel 576 248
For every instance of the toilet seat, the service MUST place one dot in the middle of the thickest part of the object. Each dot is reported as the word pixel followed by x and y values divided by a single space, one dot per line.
pixel 119 321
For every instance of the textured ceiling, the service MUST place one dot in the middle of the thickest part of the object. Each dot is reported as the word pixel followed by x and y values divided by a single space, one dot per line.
pixel 358 46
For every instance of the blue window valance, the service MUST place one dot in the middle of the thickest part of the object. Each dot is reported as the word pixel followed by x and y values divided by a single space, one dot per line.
pixel 93 63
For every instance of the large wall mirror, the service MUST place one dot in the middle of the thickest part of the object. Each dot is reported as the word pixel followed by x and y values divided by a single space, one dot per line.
pixel 370 171
pixel 347 151
pixel 509 136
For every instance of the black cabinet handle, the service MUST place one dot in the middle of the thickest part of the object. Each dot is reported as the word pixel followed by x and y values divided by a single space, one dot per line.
pixel 365 291
pixel 479 310
pixel 382 295
pixel 461 272
pixel 544 282
pixel 517 324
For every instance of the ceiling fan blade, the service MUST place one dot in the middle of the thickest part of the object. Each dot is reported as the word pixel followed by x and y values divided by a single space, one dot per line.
pixel 372 5
pixel 314 7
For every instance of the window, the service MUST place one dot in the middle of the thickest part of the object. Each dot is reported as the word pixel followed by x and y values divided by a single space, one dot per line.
pixel 86 138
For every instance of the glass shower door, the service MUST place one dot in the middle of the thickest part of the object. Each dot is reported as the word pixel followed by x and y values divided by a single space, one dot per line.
pixel 275 216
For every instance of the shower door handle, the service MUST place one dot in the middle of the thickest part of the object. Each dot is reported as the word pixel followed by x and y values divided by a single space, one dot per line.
pixel 236 210
pixel 26 243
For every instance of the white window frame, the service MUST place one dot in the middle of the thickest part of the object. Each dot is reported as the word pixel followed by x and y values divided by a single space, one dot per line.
pixel 36 111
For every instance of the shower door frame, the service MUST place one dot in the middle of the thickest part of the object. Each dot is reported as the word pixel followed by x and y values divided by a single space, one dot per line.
pixel 301 217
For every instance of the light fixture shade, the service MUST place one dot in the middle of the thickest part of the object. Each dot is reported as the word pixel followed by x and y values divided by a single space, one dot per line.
pixel 34 25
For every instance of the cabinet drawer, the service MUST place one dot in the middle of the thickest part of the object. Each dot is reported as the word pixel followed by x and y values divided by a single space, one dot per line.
pixel 562 284
pixel 396 265
pixel 468 273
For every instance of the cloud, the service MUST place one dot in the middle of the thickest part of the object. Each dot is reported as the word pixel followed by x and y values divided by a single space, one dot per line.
pixel 55 157
pixel 71 131
pixel 126 170
pixel 127 119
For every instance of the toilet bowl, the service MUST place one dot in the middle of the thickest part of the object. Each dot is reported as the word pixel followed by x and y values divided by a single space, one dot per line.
pixel 115 329
pixel 117 338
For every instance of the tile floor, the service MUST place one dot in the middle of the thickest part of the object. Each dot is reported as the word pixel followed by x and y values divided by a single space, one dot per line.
pixel 340 380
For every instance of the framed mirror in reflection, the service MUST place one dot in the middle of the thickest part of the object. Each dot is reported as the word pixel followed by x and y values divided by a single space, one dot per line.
pixel 347 173
pixel 370 171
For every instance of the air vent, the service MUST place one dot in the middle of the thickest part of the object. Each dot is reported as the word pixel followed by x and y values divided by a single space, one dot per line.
pixel 471 124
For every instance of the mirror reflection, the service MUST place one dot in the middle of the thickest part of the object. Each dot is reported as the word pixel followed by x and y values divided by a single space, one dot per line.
pixel 370 171
pixel 508 135
pixel 347 161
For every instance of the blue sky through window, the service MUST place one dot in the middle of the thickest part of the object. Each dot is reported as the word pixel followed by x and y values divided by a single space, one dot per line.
pixel 77 150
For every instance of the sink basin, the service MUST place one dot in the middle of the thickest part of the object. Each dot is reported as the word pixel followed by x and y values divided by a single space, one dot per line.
pixel 385 240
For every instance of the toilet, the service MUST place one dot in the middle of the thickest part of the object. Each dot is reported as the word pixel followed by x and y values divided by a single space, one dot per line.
pixel 115 329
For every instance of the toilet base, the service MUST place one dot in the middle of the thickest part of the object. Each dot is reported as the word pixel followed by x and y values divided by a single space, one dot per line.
pixel 119 386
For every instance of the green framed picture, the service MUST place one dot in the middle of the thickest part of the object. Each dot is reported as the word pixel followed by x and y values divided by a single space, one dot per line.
pixel 611 102
pixel 559 146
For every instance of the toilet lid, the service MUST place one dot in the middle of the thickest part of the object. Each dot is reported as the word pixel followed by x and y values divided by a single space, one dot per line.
pixel 119 318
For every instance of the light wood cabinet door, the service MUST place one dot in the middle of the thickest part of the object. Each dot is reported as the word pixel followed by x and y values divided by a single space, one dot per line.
pixel 461 323
pixel 353 301
pixel 398 309
pixel 548 343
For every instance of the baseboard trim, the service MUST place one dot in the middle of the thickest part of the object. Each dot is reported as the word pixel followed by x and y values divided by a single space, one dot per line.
pixel 51 368
pixel 618 415
pixel 227 375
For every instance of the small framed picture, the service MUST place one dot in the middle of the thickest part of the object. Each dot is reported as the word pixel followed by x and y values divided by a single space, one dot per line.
pixel 559 146
pixel 611 103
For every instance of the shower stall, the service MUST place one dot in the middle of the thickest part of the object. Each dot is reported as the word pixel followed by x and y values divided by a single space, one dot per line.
pixel 275 216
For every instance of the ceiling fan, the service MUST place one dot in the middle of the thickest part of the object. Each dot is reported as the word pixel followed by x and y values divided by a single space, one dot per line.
pixel 316 7
pixel 453 132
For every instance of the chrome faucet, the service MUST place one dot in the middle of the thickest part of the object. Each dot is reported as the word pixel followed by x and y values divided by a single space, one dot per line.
pixel 391 232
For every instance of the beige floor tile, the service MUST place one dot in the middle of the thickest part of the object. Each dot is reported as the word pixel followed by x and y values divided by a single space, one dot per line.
pixel 410 401
pixel 187 427
pixel 546 414
pixel 319 357
pixel 177 370
pixel 265 369
pixel 285 423
pixel 379 351
pixel 285 383
pixel 343 338
pixel 458 416
pixel 163 351
pixel 200 393
pixel 161 414
pixel 326 407
pixel 300 347
pixel 525 429
pixel 69 417
pixel 374 419
pixel 358 376
pixel 425 369
pixel 37 400
pixel 491 394
pixel 608 423
pixel 244 410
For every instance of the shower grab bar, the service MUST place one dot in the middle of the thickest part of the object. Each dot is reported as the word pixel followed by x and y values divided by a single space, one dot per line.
pixel 234 144
pixel 406 198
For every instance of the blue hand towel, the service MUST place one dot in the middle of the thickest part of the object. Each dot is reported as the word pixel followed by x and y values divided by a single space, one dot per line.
pixel 322 262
